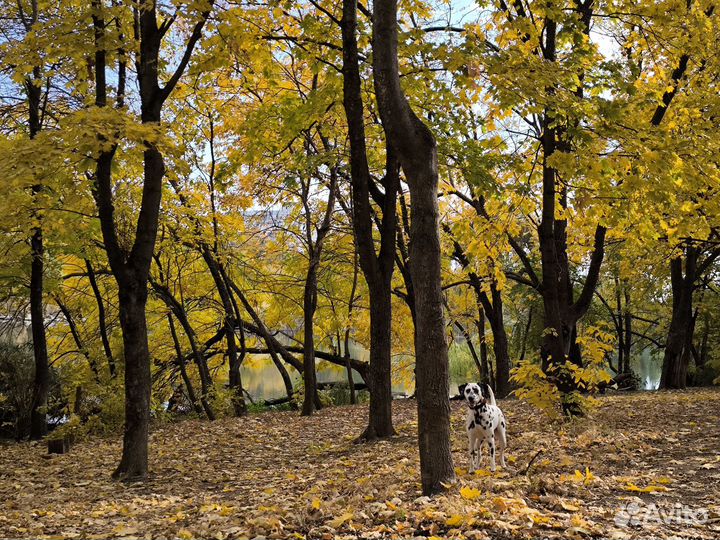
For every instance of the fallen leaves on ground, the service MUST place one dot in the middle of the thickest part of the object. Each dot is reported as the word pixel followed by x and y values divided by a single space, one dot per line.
pixel 278 475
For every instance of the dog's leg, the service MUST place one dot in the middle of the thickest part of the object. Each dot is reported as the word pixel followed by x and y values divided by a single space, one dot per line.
pixel 478 451
pixel 491 446
pixel 502 441
pixel 472 452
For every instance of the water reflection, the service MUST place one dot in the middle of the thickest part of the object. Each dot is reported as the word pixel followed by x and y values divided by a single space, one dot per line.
pixel 263 381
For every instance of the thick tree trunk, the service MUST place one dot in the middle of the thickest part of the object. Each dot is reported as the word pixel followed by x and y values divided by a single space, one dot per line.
pixel 380 381
pixel 500 345
pixel 41 385
pixel 432 387
pixel 132 300
pixel 677 354
pixel 377 267
pixel 417 152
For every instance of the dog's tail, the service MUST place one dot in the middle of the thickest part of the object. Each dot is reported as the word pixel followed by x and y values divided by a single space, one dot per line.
pixel 489 394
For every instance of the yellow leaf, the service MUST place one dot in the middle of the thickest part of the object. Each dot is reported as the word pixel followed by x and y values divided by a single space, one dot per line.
pixel 589 477
pixel 316 504
pixel 454 521
pixel 338 521
pixel 648 489
pixel 469 493
pixel 569 506
pixel 184 534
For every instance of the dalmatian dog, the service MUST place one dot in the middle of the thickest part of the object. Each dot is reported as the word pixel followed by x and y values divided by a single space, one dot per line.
pixel 484 422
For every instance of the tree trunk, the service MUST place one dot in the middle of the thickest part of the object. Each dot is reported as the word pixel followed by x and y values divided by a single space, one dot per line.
pixel 309 305
pixel 131 268
pixel 627 342
pixel 526 334
pixel 487 375
pixel 473 353
pixel 132 300
pixel 702 357
pixel 183 371
pixel 274 348
pixel 346 343
pixel 206 384
pixel 377 267
pixel 41 386
pixel 76 337
pixel 348 369
pixel 102 325
pixel 676 357
pixel 500 345
pixel 235 380
pixel 492 308
pixel 417 152
pixel 380 380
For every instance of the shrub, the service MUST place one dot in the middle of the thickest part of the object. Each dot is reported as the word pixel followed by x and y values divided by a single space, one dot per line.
pixel 17 372
pixel 539 387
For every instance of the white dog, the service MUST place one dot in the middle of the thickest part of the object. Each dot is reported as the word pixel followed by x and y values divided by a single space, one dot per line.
pixel 484 422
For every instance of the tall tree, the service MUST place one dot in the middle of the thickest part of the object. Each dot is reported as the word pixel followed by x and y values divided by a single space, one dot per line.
pixel 33 86
pixel 310 291
pixel 377 267
pixel 131 266
pixel 417 153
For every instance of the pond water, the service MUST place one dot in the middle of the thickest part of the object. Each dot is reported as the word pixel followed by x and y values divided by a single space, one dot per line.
pixel 263 381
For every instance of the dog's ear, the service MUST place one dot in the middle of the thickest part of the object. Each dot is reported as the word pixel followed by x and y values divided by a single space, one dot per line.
pixel 461 388
pixel 484 389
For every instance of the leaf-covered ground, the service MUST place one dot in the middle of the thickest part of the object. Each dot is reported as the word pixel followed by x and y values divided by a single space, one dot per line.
pixel 277 475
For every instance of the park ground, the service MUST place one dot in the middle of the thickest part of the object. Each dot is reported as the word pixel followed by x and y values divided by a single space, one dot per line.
pixel 643 465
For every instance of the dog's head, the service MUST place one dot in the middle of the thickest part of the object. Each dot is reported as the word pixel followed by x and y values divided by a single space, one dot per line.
pixel 474 393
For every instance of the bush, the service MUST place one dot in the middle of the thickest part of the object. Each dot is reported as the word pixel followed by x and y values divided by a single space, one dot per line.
pixel 17 378
pixel 705 375
pixel 17 372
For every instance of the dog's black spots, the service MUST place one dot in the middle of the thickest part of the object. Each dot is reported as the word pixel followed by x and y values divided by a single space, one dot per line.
pixel 502 423
pixel 492 450
pixel 472 425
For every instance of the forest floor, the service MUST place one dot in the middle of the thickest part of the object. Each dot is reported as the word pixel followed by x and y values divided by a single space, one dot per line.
pixel 644 465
